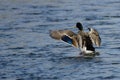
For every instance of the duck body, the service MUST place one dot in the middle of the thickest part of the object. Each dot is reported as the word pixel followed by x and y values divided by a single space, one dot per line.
pixel 85 43
pixel 82 40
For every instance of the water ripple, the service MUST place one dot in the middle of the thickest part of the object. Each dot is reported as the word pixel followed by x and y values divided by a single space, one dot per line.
pixel 28 53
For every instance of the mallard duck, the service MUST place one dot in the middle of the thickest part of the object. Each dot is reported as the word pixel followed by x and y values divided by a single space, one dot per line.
pixel 82 40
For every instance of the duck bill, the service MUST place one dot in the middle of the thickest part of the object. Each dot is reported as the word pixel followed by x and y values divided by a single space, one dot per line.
pixel 74 27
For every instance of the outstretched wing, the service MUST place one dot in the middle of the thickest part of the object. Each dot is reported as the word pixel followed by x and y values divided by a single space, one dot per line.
pixel 94 35
pixel 66 36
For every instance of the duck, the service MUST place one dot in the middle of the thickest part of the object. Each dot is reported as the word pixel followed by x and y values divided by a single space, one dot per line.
pixel 85 41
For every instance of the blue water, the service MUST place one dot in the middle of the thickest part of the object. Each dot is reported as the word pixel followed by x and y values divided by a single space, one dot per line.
pixel 28 53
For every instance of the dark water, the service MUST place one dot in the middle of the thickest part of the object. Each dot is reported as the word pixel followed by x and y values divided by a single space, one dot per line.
pixel 28 53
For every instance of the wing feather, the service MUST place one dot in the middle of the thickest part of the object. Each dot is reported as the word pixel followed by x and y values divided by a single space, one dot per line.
pixel 95 37
pixel 66 36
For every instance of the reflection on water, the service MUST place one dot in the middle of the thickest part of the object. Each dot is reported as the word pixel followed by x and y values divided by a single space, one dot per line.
pixel 28 53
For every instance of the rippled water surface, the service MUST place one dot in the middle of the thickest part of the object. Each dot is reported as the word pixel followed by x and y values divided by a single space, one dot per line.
pixel 28 53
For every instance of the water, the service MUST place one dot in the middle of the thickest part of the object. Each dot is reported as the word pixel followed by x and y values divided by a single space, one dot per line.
pixel 28 53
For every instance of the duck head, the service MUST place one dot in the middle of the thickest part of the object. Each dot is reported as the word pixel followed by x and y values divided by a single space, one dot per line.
pixel 79 26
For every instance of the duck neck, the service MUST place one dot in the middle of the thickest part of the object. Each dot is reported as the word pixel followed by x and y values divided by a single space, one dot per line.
pixel 80 28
